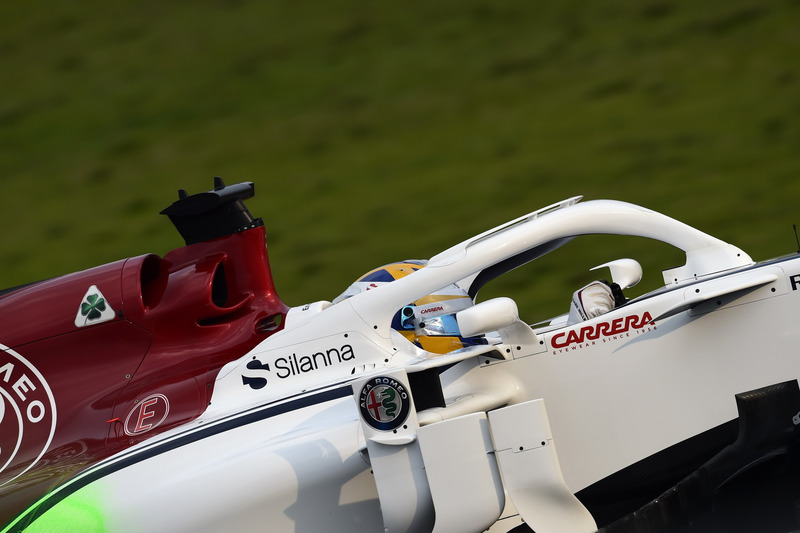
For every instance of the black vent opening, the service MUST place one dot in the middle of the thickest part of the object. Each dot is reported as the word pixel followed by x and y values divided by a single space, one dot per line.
pixel 219 287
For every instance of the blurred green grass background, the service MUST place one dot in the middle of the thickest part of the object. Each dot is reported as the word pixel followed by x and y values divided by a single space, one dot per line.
pixel 378 132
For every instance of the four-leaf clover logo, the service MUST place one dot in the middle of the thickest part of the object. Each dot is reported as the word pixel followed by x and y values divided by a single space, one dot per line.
pixel 93 306
pixel 94 309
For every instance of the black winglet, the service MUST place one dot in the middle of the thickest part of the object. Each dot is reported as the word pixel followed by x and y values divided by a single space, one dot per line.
pixel 213 214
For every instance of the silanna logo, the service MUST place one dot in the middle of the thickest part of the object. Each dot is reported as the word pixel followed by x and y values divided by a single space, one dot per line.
pixel 609 330
pixel 27 414
pixel 384 403
pixel 283 367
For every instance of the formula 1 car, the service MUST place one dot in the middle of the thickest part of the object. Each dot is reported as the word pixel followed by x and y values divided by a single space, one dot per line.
pixel 179 393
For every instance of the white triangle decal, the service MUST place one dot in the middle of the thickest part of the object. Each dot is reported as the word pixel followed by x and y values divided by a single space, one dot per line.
pixel 94 309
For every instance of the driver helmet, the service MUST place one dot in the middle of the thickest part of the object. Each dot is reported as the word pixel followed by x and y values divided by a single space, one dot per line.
pixel 429 322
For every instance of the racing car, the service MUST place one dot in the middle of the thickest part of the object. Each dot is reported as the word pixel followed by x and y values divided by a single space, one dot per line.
pixel 180 393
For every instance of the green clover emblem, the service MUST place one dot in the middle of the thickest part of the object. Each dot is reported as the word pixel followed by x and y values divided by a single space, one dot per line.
pixel 93 307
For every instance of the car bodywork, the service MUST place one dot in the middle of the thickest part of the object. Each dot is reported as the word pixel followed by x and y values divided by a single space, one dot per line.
pixel 181 394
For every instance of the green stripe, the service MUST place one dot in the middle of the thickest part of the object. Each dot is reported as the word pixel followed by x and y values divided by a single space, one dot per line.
pixel 79 512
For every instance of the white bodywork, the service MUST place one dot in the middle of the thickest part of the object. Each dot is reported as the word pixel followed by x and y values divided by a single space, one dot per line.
pixel 531 419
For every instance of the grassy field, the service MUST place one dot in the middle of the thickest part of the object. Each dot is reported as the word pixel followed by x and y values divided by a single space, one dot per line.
pixel 380 132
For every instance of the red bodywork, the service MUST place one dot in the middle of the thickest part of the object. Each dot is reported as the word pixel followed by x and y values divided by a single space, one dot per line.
pixel 149 368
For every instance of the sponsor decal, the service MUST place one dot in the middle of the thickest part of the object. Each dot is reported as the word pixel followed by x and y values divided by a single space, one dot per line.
pixel 256 380
pixel 602 332
pixel 438 308
pixel 93 309
pixel 795 281
pixel 27 413
pixel 147 415
pixel 258 373
pixel 384 403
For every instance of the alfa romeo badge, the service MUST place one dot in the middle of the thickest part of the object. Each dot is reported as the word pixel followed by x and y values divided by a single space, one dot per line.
pixel 385 403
